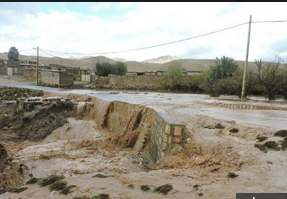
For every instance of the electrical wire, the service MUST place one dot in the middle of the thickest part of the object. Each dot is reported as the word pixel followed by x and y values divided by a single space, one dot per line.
pixel 121 51
pixel 153 46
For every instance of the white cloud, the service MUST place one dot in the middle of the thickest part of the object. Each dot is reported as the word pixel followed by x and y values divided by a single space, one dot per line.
pixel 147 24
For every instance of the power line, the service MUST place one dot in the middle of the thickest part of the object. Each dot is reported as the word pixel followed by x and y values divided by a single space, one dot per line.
pixel 153 45
pixel 62 59
pixel 26 50
pixel 269 21
pixel 44 51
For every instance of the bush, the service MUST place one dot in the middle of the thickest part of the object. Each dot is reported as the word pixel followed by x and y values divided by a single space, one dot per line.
pixel 121 68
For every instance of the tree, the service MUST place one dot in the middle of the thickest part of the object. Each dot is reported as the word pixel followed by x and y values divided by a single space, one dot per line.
pixel 283 85
pixel 217 76
pixel 173 76
pixel 224 67
pixel 13 54
pixel 259 64
pixel 211 84
pixel 270 77
pixel 121 68
pixel 251 82
pixel 105 68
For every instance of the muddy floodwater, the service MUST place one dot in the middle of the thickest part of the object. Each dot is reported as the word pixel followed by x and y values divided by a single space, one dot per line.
pixel 228 156
pixel 183 106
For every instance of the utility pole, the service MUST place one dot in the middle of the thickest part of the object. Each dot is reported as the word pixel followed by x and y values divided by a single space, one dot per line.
pixel 37 63
pixel 246 62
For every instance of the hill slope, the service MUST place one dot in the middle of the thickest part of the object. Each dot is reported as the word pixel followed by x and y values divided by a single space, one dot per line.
pixel 133 66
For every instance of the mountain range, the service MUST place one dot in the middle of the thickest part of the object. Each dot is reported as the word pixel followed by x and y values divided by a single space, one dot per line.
pixel 159 63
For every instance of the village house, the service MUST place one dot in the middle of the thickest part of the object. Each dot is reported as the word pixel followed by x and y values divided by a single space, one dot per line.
pixel 87 76
pixel 10 67
pixel 76 71
pixel 56 78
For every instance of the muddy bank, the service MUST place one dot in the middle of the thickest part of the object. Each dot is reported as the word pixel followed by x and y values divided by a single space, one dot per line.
pixel 32 118
pixel 25 116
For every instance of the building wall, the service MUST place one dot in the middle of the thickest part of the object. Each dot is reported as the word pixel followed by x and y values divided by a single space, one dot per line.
pixel 66 80
pixel 32 74
pixel 77 77
pixel 85 78
pixel 49 77
pixel 15 71
pixel 3 70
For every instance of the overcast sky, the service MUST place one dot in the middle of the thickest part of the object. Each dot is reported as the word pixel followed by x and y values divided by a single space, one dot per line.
pixel 66 29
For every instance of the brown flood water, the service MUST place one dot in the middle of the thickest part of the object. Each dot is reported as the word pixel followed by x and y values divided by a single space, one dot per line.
pixel 258 172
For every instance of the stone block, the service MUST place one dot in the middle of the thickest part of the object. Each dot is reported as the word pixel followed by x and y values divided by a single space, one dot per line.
pixel 177 130
pixel 165 139
pixel 167 129
pixel 176 140
pixel 164 146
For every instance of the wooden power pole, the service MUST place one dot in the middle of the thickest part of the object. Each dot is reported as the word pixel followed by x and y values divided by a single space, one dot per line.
pixel 246 62
pixel 37 64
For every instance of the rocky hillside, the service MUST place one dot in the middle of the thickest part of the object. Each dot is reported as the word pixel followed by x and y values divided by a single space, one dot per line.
pixel 161 59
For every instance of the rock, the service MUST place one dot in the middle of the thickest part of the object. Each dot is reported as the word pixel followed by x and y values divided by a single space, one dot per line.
pixel 233 130
pixel 100 176
pixel 59 185
pixel 164 189
pixel 67 189
pixel 232 175
pixel 145 188
pixel 51 179
pixel 281 133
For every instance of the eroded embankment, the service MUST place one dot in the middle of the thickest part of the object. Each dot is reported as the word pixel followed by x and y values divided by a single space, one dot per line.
pixel 151 133
pixel 25 118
